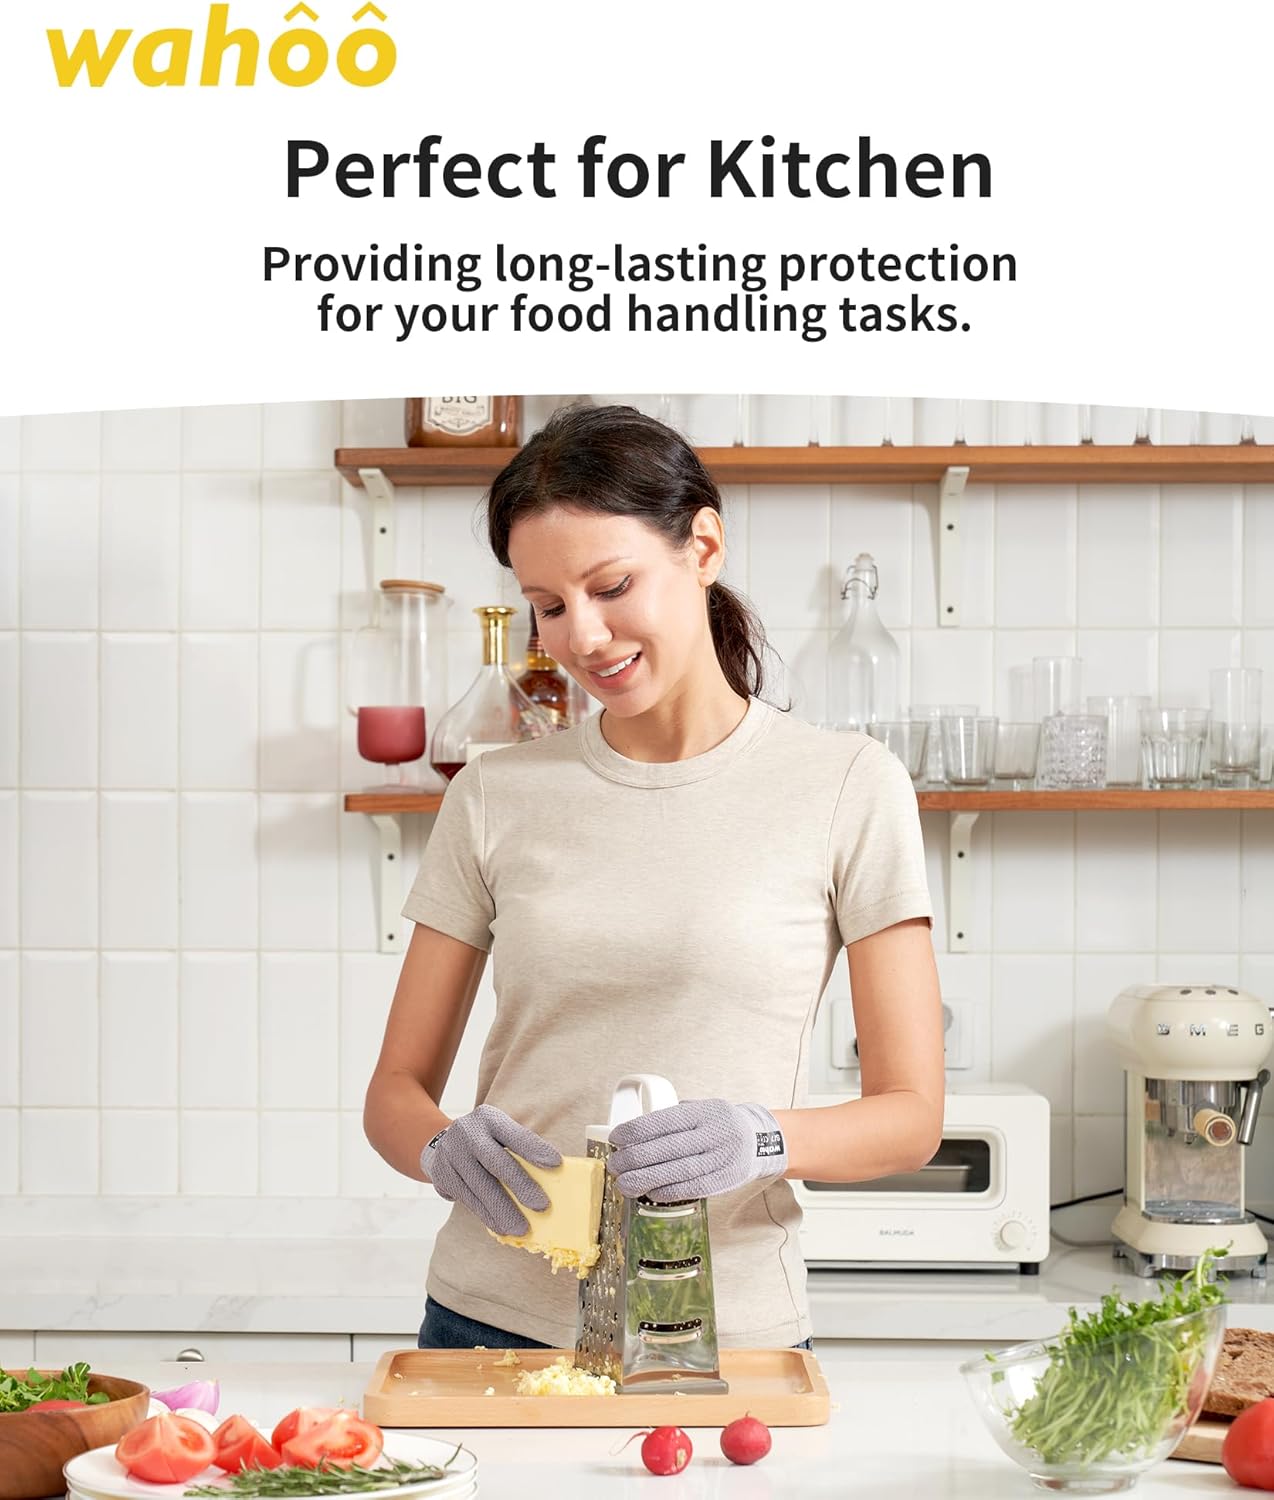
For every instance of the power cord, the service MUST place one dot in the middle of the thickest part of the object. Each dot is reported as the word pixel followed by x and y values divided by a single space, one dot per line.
pixel 1074 1203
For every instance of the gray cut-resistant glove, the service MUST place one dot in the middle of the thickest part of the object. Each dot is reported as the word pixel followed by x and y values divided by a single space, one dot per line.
pixel 696 1149
pixel 468 1161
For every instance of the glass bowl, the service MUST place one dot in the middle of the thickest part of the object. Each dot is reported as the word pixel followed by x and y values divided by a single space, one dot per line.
pixel 1089 1419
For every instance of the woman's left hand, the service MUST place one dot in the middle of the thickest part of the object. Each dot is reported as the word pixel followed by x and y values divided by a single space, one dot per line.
pixel 696 1149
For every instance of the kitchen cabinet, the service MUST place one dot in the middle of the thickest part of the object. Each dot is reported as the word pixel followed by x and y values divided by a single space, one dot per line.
pixel 62 1346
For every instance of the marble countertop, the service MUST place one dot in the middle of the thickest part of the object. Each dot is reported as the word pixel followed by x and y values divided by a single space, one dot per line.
pixel 897 1429
pixel 371 1284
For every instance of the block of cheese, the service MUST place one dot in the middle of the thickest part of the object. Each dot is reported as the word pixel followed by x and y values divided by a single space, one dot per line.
pixel 566 1232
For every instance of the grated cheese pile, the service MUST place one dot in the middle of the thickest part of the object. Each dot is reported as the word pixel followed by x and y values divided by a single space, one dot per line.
pixel 558 1257
pixel 562 1378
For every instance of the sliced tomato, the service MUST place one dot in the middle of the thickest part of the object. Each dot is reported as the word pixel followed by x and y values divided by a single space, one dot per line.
pixel 343 1440
pixel 58 1406
pixel 238 1445
pixel 166 1449
pixel 300 1419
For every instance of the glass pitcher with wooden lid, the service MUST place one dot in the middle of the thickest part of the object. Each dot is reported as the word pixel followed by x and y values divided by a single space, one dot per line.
pixel 397 671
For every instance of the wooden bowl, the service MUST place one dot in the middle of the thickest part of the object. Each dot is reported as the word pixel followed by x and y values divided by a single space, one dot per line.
pixel 35 1444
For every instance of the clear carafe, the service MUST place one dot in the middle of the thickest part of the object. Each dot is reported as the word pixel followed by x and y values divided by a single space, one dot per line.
pixel 864 664
pixel 494 711
pixel 397 673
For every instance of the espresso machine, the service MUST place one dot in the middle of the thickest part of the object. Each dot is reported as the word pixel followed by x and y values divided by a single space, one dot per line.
pixel 1194 1056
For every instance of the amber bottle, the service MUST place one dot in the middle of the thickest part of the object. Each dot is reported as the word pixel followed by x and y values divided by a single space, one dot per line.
pixel 542 682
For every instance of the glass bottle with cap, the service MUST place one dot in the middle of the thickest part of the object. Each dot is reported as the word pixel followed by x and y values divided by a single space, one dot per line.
pixel 542 682
pixel 462 421
pixel 864 663
pixel 494 712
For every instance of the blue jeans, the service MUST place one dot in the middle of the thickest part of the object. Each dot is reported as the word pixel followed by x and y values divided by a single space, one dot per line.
pixel 444 1329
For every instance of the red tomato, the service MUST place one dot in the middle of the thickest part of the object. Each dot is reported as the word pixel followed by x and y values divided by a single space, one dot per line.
pixel 239 1445
pixel 343 1440
pixel 58 1406
pixel 1248 1450
pixel 299 1420
pixel 166 1449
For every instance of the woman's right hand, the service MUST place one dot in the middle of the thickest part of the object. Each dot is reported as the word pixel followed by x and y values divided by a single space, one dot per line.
pixel 469 1162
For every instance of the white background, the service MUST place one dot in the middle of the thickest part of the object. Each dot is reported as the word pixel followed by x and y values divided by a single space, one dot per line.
pixel 1129 145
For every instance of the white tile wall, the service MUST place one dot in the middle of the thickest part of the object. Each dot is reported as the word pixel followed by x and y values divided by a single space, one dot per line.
pixel 191 996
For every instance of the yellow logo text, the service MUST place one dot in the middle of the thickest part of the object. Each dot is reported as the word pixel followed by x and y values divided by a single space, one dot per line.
pixel 297 57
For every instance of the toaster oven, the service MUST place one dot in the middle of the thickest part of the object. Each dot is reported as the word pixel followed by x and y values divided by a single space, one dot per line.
pixel 981 1203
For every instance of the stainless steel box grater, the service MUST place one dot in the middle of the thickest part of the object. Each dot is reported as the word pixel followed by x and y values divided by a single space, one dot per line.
pixel 647 1317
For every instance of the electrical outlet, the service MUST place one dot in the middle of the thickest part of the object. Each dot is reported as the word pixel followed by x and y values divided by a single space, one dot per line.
pixel 957 1039
pixel 957 1025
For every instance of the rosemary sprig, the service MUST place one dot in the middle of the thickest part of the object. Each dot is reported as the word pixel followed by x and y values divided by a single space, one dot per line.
pixel 327 1479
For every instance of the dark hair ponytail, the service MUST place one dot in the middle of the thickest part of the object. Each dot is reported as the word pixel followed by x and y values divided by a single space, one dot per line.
pixel 614 460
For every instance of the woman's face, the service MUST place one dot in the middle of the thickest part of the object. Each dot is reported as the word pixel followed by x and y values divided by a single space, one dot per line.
pixel 610 593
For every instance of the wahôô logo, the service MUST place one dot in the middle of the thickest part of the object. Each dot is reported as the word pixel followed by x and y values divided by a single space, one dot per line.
pixel 296 57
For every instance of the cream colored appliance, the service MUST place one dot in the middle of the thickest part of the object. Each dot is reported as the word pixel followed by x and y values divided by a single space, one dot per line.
pixel 980 1203
pixel 1193 1055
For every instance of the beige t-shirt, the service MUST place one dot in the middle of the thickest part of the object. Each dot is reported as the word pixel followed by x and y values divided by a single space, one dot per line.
pixel 679 918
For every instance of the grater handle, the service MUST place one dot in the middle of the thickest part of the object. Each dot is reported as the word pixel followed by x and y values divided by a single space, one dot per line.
pixel 639 1094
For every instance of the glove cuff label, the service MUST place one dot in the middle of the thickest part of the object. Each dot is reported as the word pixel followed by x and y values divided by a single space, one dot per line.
pixel 769 1143
pixel 431 1143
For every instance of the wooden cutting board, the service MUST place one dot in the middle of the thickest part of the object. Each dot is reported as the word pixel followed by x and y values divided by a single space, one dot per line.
pixel 1202 1442
pixel 447 1388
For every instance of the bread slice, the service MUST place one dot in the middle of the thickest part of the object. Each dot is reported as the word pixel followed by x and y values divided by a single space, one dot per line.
pixel 1244 1373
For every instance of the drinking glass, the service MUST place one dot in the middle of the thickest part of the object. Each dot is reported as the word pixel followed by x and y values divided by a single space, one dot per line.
pixel 908 739
pixel 1072 752
pixel 968 749
pixel 1172 742
pixel 1057 685
pixel 1236 725
pixel 931 714
pixel 1123 736
pixel 1017 749
pixel 1265 772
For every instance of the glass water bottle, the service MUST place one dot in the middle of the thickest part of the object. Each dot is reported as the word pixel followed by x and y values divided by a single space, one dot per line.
pixel 495 711
pixel 864 664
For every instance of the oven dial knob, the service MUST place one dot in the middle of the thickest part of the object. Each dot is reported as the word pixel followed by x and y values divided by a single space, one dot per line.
pixel 1012 1234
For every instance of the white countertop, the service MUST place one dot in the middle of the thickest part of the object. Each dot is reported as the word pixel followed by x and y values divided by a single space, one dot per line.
pixel 897 1429
pixel 376 1285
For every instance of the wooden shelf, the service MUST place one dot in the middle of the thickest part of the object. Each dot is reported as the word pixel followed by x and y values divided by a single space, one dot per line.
pixel 1112 799
pixel 1115 799
pixel 1075 464
pixel 405 801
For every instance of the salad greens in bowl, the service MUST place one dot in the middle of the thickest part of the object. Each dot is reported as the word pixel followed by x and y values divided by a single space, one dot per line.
pixel 1092 1409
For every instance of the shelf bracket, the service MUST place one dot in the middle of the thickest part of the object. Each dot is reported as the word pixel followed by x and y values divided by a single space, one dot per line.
pixel 381 493
pixel 391 881
pixel 960 881
pixel 950 574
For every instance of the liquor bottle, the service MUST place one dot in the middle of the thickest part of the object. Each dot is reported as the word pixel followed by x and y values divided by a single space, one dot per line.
pixel 494 711
pixel 863 663
pixel 542 682
pixel 462 421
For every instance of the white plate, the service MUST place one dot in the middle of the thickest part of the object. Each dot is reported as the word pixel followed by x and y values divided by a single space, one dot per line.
pixel 467 1493
pixel 470 1489
pixel 97 1475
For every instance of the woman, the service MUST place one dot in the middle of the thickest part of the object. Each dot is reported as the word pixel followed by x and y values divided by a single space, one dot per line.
pixel 665 889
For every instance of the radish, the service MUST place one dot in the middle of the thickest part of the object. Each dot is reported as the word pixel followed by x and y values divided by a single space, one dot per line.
pixel 745 1440
pixel 665 1450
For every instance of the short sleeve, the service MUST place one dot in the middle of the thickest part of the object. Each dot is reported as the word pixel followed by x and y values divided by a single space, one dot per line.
pixel 876 857
pixel 450 892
